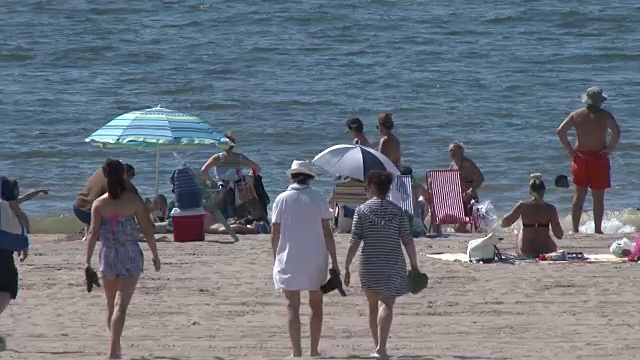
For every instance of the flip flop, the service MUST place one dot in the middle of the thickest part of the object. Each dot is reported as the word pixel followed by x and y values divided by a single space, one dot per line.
pixel 417 281
pixel 334 283
pixel 91 279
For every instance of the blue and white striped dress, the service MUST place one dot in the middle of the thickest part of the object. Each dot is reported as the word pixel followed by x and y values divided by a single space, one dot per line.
pixel 382 229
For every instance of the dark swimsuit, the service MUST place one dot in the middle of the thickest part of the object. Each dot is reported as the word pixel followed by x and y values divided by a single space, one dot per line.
pixel 536 225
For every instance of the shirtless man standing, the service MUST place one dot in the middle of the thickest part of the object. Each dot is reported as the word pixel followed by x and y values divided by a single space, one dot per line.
pixel 590 154
pixel 389 144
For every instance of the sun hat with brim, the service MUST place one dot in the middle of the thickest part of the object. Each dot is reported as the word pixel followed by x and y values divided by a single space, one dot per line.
pixel 593 96
pixel 301 167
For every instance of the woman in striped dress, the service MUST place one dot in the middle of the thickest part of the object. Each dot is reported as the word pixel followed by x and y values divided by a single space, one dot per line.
pixel 383 230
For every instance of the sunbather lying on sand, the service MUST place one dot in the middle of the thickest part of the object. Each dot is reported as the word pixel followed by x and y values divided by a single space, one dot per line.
pixel 240 226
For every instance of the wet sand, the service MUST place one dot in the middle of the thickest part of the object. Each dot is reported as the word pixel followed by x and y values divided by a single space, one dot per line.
pixel 215 300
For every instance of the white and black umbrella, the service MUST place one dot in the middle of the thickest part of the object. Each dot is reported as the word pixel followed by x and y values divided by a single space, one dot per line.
pixel 354 161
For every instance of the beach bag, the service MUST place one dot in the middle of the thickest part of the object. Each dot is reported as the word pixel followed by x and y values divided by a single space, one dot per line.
pixel 483 250
pixel 619 246
pixel 485 214
pixel 186 189
pixel 12 234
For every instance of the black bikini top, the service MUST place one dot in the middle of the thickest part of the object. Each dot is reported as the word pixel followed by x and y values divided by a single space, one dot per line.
pixel 535 225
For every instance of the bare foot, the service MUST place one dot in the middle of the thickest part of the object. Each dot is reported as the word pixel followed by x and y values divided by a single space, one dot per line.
pixel 294 356
pixel 315 354
pixel 380 354
pixel 599 232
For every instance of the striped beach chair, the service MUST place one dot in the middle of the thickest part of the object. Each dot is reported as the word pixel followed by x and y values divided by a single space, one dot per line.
pixel 404 187
pixel 446 204
pixel 347 196
pixel 405 190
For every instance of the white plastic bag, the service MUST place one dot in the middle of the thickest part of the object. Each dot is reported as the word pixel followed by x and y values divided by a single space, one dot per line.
pixel 618 248
pixel 483 249
pixel 487 219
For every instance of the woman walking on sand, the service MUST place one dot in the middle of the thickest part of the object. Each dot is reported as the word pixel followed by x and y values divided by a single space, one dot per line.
pixel 302 241
pixel 383 230
pixel 113 219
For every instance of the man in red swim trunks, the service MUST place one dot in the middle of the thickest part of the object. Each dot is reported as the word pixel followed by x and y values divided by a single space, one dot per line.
pixel 590 154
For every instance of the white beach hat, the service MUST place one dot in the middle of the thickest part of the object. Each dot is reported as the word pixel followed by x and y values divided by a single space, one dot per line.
pixel 301 167
pixel 593 96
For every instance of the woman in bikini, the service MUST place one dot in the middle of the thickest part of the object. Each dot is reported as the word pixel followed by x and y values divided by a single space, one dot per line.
pixel 537 217
pixel 113 219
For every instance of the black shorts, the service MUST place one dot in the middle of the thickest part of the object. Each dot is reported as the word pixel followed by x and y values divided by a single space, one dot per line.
pixel 8 273
pixel 82 215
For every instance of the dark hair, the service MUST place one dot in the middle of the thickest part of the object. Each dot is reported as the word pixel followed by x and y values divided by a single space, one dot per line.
pixel 406 170
pixel 562 181
pixel 386 121
pixel 114 170
pixel 231 138
pixel 381 182
pixel 356 125
pixel 536 186
pixel 128 168
pixel 301 179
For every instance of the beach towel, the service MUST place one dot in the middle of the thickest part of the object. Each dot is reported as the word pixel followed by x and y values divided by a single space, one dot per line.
pixel 12 234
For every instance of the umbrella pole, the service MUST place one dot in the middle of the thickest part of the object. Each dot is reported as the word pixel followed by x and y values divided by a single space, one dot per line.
pixel 157 168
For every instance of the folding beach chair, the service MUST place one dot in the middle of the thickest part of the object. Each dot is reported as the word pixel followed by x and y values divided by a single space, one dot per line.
pixel 446 204
pixel 403 183
pixel 347 197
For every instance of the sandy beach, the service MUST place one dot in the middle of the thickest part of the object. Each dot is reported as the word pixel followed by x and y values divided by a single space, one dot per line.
pixel 215 300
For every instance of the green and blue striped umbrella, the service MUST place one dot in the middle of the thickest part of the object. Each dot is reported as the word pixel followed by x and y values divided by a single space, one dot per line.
pixel 157 127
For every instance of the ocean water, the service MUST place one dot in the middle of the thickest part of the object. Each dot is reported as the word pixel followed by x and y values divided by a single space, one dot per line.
pixel 284 77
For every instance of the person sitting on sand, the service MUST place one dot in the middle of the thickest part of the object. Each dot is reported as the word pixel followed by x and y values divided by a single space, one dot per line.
pixel 418 194
pixel 537 216
pixel 355 129
pixel 228 167
pixel 471 179
pixel 157 208
pixel 129 172
pixel 240 226
pixel 95 187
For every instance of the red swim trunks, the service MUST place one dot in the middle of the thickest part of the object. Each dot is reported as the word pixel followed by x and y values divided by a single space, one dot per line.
pixel 591 169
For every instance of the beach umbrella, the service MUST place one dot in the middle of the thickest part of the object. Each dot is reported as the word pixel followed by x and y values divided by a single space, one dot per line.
pixel 157 128
pixel 354 161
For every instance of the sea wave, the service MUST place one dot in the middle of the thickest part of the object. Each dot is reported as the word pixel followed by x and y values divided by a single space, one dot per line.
pixel 615 222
